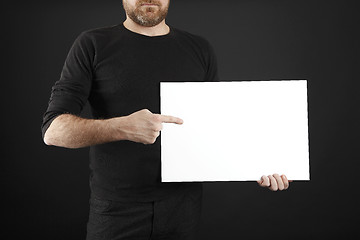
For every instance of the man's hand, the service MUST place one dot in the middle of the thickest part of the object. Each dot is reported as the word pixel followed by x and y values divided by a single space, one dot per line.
pixel 274 182
pixel 144 127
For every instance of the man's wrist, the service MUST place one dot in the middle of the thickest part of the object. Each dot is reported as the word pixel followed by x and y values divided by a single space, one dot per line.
pixel 116 128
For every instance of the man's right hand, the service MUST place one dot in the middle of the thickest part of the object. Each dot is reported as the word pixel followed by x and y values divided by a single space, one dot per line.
pixel 71 131
pixel 144 126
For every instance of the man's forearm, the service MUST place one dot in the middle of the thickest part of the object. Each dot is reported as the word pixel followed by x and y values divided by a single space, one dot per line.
pixel 74 132
pixel 71 131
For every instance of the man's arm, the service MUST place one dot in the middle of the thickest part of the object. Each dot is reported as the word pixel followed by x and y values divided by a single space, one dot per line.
pixel 71 131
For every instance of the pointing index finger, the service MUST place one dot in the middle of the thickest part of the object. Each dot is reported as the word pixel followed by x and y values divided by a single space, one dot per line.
pixel 171 119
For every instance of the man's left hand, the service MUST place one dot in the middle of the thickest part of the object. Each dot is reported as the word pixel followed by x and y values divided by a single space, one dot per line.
pixel 274 182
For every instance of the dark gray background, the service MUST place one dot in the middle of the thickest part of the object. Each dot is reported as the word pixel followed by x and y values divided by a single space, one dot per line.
pixel 44 190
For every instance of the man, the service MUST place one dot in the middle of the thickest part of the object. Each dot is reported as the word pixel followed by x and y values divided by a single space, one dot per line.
pixel 118 69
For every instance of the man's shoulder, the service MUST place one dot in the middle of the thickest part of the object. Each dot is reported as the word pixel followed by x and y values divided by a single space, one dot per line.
pixel 191 37
pixel 98 37
pixel 101 31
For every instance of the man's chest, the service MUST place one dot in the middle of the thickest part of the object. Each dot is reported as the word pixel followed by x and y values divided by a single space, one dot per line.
pixel 155 62
pixel 132 74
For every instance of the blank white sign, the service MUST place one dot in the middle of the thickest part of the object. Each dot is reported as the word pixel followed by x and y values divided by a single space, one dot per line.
pixel 234 131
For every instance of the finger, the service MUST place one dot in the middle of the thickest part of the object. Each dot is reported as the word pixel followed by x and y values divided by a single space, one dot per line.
pixel 273 184
pixel 152 138
pixel 279 181
pixel 264 181
pixel 158 127
pixel 170 119
pixel 285 181
pixel 260 181
pixel 157 134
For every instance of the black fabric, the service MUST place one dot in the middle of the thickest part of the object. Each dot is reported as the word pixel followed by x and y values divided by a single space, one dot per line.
pixel 119 72
pixel 175 217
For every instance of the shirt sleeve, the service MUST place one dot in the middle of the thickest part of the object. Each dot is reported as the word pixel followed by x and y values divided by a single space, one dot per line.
pixel 71 91
pixel 212 74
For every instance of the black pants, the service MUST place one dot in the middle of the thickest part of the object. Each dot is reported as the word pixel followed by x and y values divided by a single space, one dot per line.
pixel 173 218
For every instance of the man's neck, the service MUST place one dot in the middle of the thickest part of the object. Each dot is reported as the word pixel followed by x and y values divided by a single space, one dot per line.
pixel 157 30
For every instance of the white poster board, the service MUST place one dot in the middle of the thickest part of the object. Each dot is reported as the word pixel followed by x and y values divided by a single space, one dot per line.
pixel 234 131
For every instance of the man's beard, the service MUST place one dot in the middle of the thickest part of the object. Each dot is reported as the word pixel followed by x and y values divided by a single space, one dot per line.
pixel 146 16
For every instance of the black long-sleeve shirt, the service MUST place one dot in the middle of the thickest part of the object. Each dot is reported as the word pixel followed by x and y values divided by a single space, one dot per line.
pixel 119 72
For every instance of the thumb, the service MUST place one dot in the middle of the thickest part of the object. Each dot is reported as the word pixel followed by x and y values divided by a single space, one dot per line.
pixel 261 180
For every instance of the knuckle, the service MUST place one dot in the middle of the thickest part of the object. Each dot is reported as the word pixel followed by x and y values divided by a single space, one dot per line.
pixel 156 127
pixel 156 118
